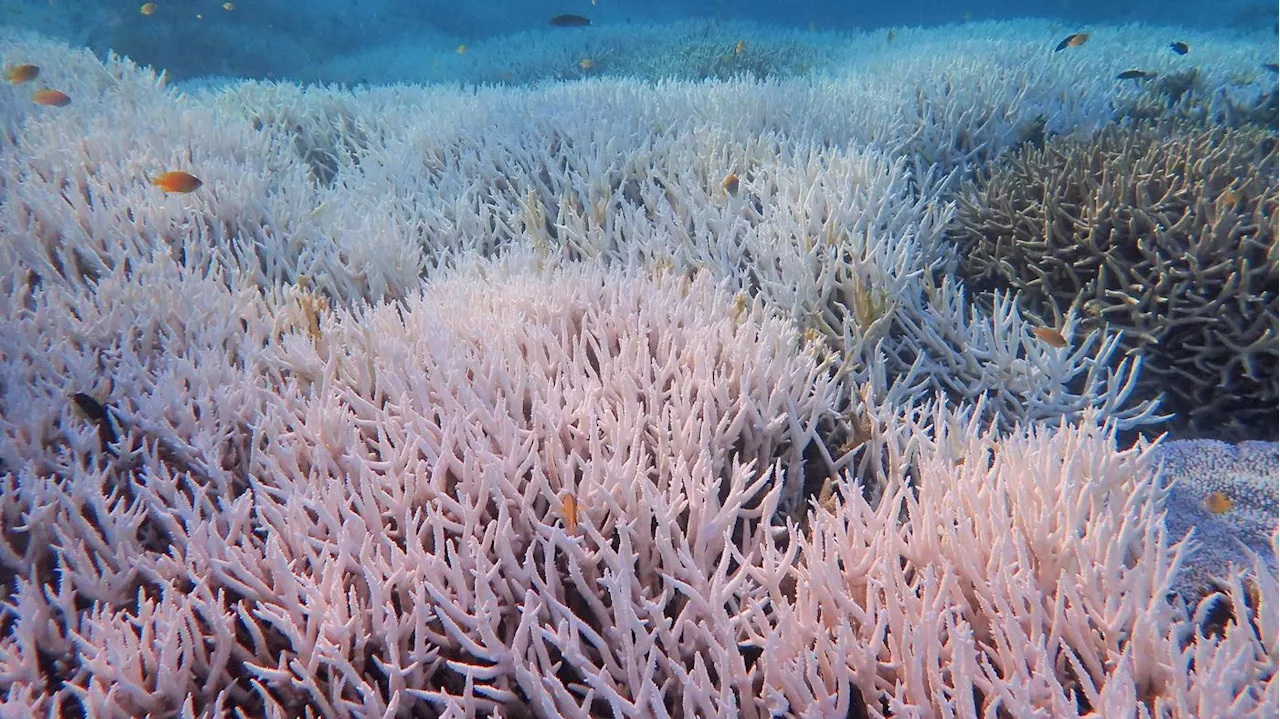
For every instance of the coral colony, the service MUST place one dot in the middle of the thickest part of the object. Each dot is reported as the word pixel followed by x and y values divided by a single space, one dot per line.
pixel 832 395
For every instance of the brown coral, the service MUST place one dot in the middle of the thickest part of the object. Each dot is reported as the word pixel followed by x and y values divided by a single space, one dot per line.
pixel 1164 231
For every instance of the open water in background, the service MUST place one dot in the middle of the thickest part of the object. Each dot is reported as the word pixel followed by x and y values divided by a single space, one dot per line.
pixel 291 39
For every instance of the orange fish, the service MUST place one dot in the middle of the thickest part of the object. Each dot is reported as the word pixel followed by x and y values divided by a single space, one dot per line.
pixel 587 63
pixel 462 49
pixel 1218 503
pixel 569 508
pixel 177 181
pixel 1049 336
pixel 730 183
pixel 1073 40
pixel 18 74
pixel 742 45
pixel 148 8
pixel 52 98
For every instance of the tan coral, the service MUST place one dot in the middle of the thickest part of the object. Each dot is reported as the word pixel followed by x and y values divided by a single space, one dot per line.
pixel 1166 232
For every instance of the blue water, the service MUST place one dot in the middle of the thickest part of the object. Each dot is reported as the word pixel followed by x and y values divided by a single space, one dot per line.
pixel 307 41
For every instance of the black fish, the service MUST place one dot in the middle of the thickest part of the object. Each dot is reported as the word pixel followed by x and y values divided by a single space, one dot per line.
pixel 1179 47
pixel 569 21
pixel 95 411
pixel 1135 75
pixel 91 407
pixel 1272 67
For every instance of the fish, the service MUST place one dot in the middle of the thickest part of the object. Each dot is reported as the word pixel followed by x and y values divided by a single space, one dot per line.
pixel 461 49
pixel 177 181
pixel 1273 67
pixel 228 6
pixel 730 183
pixel 1230 197
pixel 51 98
pixel 569 21
pixel 1180 47
pixel 586 63
pixel 148 8
pixel 569 508
pixel 1073 40
pixel 91 407
pixel 96 412
pixel 1218 503
pixel 1050 336
pixel 18 74
pixel 891 35
pixel 742 45
pixel 1135 75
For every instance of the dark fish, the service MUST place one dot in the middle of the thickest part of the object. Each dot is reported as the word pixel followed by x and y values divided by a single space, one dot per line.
pixel 1273 67
pixel 97 412
pixel 569 21
pixel 1073 40
pixel 1180 47
pixel 91 407
pixel 1135 75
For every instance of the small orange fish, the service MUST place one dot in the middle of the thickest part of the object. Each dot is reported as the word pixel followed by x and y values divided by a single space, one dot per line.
pixel 228 6
pixel 569 508
pixel 148 8
pixel 730 183
pixel 742 45
pixel 18 74
pixel 1218 503
pixel 1230 197
pixel 177 181
pixel 52 98
pixel 1050 336
pixel 1072 40
pixel 462 49
pixel 586 63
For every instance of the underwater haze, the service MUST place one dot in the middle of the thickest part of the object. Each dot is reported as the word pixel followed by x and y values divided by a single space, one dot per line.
pixel 381 41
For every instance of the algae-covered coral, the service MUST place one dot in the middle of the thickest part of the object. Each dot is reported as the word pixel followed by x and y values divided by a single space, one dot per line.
pixel 1164 231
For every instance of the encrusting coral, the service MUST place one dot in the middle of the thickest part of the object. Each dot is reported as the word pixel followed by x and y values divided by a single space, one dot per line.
pixel 1227 494
pixel 1165 232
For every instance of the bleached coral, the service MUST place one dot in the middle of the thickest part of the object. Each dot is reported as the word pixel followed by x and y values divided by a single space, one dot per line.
pixel 1240 483
pixel 365 466
pixel 1023 575
pixel 392 527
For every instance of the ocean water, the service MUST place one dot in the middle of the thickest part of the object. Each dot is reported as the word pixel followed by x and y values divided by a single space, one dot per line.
pixel 351 41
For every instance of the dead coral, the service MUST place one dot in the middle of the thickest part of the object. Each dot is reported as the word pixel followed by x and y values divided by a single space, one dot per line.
pixel 1165 231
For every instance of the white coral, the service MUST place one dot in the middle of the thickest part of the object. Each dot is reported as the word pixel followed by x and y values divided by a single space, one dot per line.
pixel 1024 574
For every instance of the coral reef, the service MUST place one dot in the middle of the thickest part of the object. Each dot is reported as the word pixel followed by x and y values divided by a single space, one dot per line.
pixel 1229 495
pixel 506 402
pixel 1166 232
